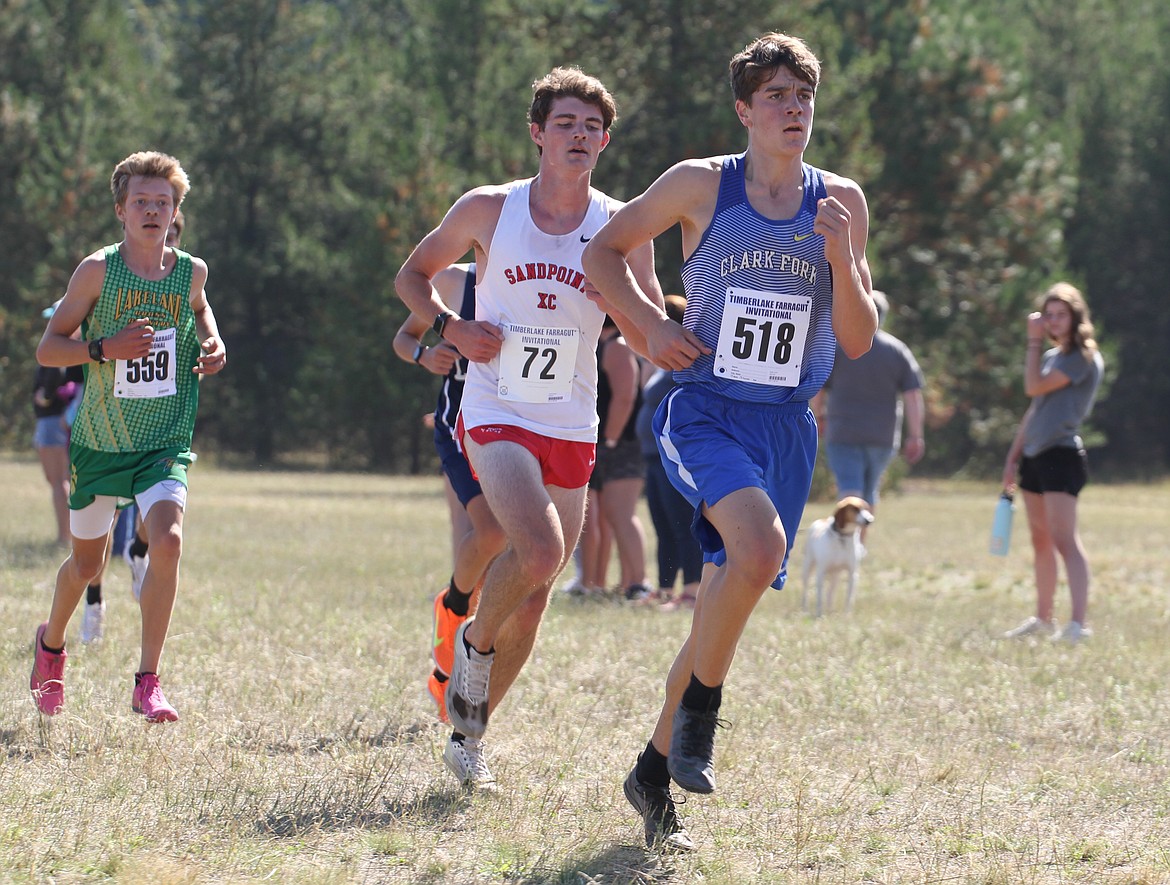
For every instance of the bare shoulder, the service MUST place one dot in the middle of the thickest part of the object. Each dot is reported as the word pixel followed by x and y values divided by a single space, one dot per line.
pixel 703 172
pixel 486 198
pixel 844 189
pixel 90 274
pixel 449 283
pixel 198 271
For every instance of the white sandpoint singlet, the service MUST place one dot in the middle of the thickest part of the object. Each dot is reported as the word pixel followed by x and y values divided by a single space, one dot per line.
pixel 545 377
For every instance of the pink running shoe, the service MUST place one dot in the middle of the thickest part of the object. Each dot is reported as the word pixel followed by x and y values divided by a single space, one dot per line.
pixel 150 701
pixel 47 682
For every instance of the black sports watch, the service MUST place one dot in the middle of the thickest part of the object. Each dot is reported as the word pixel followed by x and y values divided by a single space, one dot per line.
pixel 96 351
pixel 441 321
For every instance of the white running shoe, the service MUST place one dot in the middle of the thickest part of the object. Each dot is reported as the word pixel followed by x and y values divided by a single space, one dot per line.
pixel 1072 633
pixel 138 566
pixel 465 759
pixel 93 621
pixel 467 689
pixel 1031 627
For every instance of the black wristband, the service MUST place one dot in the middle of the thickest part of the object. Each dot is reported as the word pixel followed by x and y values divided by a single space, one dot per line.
pixel 97 353
pixel 441 321
pixel 419 350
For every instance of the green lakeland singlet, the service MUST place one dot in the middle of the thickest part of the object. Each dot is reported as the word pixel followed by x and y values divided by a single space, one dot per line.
pixel 148 403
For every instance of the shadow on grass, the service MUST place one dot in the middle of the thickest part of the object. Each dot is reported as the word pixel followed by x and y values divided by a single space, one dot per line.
pixel 614 865
pixel 336 815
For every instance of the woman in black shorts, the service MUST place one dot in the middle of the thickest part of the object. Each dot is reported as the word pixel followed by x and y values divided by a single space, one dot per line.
pixel 1048 455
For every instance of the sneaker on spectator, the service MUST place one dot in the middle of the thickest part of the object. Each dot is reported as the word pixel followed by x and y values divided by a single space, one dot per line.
pixel 682 602
pixel 138 566
pixel 1031 627
pixel 47 681
pixel 1072 633
pixel 93 621
pixel 575 587
pixel 436 688
pixel 467 689
pixel 150 701
pixel 465 759
pixel 664 827
pixel 639 593
pixel 445 622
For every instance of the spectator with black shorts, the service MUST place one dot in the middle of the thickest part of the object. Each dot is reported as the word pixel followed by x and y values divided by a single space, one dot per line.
pixel 1048 455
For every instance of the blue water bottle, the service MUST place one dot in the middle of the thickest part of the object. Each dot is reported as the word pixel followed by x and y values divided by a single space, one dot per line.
pixel 1001 526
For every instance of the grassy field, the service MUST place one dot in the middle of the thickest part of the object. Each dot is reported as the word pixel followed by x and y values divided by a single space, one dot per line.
pixel 902 743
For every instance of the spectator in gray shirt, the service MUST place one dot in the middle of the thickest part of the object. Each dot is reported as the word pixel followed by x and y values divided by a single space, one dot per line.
pixel 1047 455
pixel 861 408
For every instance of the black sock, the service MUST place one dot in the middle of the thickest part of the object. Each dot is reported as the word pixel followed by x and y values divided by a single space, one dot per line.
pixel 455 600
pixel 93 594
pixel 458 737
pixel 471 648
pixel 651 768
pixel 138 676
pixel 52 651
pixel 138 547
pixel 440 676
pixel 702 698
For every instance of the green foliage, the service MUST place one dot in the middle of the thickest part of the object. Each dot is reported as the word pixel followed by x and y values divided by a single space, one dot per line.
pixel 325 138
pixel 70 91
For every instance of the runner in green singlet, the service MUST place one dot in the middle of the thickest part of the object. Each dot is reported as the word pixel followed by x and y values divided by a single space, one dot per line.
pixel 148 335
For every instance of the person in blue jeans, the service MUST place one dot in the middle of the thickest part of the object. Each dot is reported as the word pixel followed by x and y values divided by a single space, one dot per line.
pixel 861 409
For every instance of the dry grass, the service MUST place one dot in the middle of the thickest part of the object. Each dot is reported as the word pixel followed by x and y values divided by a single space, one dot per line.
pixel 900 744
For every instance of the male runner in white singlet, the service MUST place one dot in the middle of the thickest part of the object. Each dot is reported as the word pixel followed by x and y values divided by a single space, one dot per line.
pixel 529 416
pixel 775 275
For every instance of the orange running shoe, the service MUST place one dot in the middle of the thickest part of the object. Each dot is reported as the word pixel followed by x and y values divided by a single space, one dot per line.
pixel 443 637
pixel 436 687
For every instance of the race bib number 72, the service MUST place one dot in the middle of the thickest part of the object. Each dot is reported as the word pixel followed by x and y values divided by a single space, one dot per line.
pixel 151 375
pixel 537 363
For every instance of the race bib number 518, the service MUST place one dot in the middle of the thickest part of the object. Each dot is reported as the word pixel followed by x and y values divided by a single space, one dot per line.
pixel 762 337
pixel 151 375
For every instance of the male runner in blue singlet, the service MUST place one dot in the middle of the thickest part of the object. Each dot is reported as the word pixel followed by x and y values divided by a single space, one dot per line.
pixel 775 276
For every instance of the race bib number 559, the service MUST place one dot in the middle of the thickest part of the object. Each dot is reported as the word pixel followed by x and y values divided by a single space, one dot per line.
pixel 762 337
pixel 151 375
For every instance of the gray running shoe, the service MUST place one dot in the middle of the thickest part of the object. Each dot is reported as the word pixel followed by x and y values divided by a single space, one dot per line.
pixel 664 827
pixel 465 759
pixel 467 689
pixel 692 749
pixel 1031 627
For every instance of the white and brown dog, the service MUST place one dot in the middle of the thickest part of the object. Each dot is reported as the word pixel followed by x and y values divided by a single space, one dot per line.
pixel 834 546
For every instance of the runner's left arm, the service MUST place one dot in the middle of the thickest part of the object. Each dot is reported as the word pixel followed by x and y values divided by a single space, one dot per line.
pixel 212 351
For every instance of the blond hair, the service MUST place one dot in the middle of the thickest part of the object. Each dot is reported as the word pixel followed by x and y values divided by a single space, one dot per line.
pixel 149 164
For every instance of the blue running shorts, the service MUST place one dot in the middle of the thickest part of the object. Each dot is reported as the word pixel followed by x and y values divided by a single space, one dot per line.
pixel 466 486
pixel 712 446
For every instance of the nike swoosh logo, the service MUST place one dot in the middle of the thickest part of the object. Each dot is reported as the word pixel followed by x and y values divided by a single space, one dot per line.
pixel 585 239
pixel 796 238
pixel 438 640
